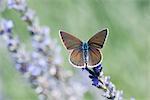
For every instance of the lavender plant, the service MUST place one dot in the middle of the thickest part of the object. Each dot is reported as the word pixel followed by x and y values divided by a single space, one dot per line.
pixel 103 82
pixel 42 66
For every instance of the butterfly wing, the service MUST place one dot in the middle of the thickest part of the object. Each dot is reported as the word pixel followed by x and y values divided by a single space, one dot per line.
pixel 70 41
pixel 94 57
pixel 74 44
pixel 98 39
pixel 76 58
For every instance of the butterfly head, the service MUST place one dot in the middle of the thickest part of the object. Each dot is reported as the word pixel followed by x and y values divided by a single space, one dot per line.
pixel 85 46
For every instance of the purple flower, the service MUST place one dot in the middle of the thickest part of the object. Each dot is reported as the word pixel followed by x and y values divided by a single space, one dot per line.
pixel 94 74
pixel 97 69
pixel 1 32
pixel 6 26
pixel 20 5
pixel 94 80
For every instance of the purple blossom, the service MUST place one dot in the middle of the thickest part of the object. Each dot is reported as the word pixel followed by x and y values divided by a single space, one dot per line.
pixel 6 26
pixel 95 81
pixel 97 69
pixel 94 74
pixel 19 5
pixel 103 82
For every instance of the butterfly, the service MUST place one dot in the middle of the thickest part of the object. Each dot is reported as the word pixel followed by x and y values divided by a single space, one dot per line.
pixel 85 54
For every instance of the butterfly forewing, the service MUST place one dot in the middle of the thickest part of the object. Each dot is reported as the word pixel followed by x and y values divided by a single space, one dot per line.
pixel 94 56
pixel 70 41
pixel 98 39
pixel 76 58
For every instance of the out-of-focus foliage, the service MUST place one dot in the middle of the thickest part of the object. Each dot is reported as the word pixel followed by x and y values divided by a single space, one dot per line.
pixel 126 53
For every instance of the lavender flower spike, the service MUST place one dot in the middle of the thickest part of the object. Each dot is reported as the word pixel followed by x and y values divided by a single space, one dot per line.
pixel 103 82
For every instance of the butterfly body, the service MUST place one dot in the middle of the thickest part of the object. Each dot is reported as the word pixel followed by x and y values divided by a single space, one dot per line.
pixel 84 54
pixel 85 49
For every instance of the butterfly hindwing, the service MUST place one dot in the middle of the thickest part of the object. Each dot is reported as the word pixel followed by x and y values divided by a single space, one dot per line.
pixel 98 39
pixel 70 41
pixel 94 57
pixel 76 58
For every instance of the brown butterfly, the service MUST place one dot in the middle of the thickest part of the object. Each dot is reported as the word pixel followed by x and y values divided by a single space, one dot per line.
pixel 85 54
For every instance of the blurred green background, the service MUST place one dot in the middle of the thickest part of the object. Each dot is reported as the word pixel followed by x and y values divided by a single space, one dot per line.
pixel 126 52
